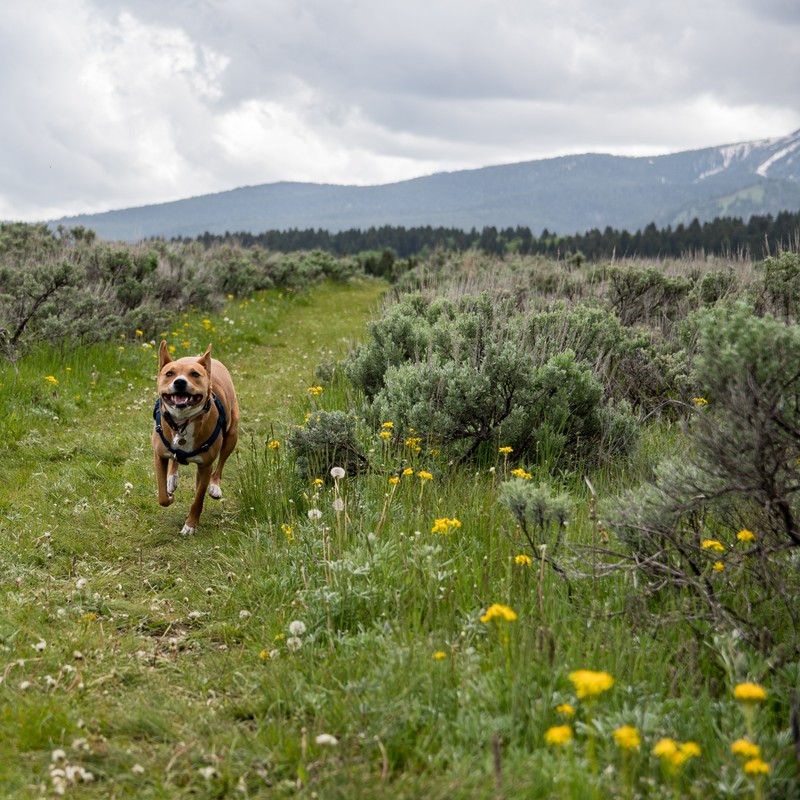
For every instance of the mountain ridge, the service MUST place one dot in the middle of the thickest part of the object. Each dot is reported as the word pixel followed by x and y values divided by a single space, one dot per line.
pixel 566 194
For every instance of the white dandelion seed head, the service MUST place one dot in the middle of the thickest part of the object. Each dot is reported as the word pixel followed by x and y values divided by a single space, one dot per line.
pixel 293 644
pixel 244 614
pixel 40 645
pixel 338 504
pixel 57 755
pixel 81 583
pixel 137 769
pixel 327 740
pixel 297 627
pixel 314 514
pixel 337 473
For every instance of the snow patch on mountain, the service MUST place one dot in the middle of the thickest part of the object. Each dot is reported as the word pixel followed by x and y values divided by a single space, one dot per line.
pixel 762 169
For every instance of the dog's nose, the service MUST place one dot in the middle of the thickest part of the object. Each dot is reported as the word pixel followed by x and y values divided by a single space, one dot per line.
pixel 179 384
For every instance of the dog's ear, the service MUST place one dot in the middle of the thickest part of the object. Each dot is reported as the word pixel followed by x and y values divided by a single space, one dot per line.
pixel 163 356
pixel 205 360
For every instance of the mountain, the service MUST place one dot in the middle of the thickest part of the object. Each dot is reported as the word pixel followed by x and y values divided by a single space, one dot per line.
pixel 566 195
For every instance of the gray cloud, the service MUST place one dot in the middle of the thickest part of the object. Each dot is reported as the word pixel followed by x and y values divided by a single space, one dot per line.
pixel 112 104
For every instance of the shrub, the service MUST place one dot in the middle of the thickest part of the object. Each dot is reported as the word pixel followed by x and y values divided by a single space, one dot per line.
pixel 328 439
pixel 740 472
pixel 782 283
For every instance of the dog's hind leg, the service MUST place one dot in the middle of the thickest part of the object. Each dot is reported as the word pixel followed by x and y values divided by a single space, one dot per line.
pixel 200 486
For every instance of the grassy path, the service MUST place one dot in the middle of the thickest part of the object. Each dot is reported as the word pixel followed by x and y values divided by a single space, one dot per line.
pixel 100 591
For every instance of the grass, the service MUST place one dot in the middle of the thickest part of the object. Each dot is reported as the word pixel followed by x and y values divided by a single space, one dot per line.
pixel 219 665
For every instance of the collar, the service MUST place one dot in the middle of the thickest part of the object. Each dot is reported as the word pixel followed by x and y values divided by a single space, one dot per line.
pixel 183 456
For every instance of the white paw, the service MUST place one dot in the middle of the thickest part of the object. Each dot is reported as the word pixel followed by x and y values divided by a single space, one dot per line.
pixel 172 484
pixel 187 530
pixel 215 491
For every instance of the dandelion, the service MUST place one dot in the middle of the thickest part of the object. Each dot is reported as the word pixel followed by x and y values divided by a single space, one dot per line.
pixel 588 683
pixel 718 566
pixel 337 473
pixel 627 737
pixel 273 444
pixel 558 735
pixel 244 614
pixel 326 740
pixel 81 584
pixel 338 505
pixel 440 655
pixel 293 644
pixel 314 514
pixel 137 769
pixel 57 755
pixel 139 332
pixel 713 544
pixel 499 611
pixel 745 535
pixel 40 646
pixel 297 627
pixel 317 482
pixel 394 480
pixel 264 655
pixel 408 471
pixel 755 766
pixel 506 450
pixel 745 749
pixel 51 378
pixel 520 473
pixel 424 476
pixel 566 709
pixel 522 560
pixel 665 748
pixel 749 693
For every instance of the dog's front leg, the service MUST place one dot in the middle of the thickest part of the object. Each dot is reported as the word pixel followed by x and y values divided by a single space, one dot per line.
pixel 200 487
pixel 165 497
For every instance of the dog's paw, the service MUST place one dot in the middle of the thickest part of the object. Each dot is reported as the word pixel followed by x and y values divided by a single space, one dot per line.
pixel 215 491
pixel 187 530
pixel 172 484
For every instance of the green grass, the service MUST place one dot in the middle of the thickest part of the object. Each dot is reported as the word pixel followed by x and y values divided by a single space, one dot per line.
pixel 169 667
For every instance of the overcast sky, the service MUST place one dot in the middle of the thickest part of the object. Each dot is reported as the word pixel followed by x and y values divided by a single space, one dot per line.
pixel 111 104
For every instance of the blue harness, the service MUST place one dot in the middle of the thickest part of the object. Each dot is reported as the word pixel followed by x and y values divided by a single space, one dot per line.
pixel 183 456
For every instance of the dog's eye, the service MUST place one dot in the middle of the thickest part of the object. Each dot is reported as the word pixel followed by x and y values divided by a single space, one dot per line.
pixel 169 373
pixel 194 373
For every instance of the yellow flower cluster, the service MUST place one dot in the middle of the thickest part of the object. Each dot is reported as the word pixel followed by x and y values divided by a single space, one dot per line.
pixel 558 735
pixel 713 544
pixel 444 525
pixel 522 560
pixel 676 753
pixel 566 709
pixel 386 435
pixel 627 737
pixel 700 401
pixel 499 611
pixel 273 444
pixel 506 450
pixel 440 655
pixel 745 749
pixel 520 473
pixel 315 390
pixel 413 443
pixel 745 535
pixel 588 683
pixel 51 378
pixel 424 476
pixel 749 693
pixel 755 766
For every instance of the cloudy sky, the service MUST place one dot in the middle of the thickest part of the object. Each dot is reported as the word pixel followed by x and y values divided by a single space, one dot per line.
pixel 112 104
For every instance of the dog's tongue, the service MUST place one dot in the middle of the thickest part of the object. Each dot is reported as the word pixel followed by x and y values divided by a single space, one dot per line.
pixel 180 399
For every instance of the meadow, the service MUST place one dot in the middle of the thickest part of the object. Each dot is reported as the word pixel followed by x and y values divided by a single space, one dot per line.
pixel 486 607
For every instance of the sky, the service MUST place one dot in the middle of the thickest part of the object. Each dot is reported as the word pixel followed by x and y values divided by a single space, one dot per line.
pixel 110 104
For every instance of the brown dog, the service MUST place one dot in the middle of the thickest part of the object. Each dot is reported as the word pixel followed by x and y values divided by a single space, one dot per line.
pixel 197 419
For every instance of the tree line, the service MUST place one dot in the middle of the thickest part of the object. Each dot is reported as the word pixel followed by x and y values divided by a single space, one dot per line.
pixel 723 236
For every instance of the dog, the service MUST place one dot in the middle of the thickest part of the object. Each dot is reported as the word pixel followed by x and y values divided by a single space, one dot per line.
pixel 196 422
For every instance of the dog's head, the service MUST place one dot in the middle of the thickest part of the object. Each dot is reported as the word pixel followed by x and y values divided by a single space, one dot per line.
pixel 184 385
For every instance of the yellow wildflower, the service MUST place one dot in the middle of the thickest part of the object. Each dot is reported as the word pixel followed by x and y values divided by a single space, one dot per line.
pixel 317 482
pixel 558 735
pixel 408 471
pixel 520 473
pixel 700 401
pixel 394 479
pixel 627 737
pixel 665 748
pixel 273 444
pixel 51 378
pixel 499 611
pixel 440 655
pixel 424 476
pixel 139 332
pixel 506 450
pixel 566 709
pixel 749 693
pixel 755 766
pixel 745 535
pixel 718 566
pixel 588 683
pixel 745 749
pixel 264 655
pixel 522 560
pixel 387 425
pixel 686 751
pixel 713 544
pixel 386 435
pixel 288 532
pixel 444 524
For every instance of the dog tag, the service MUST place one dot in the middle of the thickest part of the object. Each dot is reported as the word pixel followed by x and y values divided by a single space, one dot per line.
pixel 181 441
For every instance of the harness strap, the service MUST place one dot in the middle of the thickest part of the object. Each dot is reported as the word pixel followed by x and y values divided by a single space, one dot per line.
pixel 183 456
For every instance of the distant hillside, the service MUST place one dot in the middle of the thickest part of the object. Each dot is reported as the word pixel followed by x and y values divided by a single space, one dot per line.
pixel 566 195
